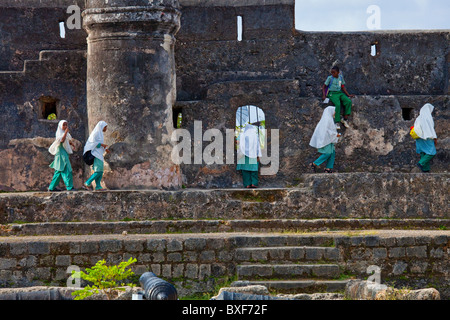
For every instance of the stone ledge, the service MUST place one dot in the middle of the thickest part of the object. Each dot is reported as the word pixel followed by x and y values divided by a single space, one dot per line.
pixel 337 196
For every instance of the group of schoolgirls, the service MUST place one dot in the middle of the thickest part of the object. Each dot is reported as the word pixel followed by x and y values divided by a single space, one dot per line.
pixel 325 135
pixel 324 138
pixel 93 149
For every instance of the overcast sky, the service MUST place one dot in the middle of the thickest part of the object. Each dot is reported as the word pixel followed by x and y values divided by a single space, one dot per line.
pixel 351 15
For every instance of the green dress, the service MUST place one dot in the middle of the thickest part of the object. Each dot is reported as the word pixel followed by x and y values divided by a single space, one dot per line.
pixel 249 168
pixel 98 173
pixel 63 169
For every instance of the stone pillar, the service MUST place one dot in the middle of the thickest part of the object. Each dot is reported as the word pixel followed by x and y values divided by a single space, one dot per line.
pixel 131 84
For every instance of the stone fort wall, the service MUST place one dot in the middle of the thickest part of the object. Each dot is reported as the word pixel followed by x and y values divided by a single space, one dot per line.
pixel 275 67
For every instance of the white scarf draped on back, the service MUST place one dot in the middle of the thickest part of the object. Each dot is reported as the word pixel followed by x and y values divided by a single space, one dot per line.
pixel 58 137
pixel 249 142
pixel 325 132
pixel 424 124
pixel 95 138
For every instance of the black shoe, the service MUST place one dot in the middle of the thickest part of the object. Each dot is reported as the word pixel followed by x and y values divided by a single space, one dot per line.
pixel 54 190
pixel 421 168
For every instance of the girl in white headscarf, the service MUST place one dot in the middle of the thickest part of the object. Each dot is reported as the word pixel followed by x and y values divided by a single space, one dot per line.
pixel 61 148
pixel 426 143
pixel 95 145
pixel 324 137
pixel 249 146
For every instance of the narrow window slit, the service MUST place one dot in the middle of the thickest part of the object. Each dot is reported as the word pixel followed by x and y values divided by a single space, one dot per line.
pixel 62 30
pixel 239 28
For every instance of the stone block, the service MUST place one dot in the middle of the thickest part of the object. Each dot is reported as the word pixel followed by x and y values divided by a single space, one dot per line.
pixel 89 247
pixel 195 244
pixel 437 253
pixel 312 253
pixel 156 269
pixel 191 271
pixel 133 245
pixel 405 241
pixel 416 252
pixel 204 271
pixel 158 257
pixel 174 245
pixel 74 248
pixel 112 245
pixel 208 255
pixel 260 255
pixel 177 270
pixel 371 241
pixel 156 245
pixel 64 260
pixel 215 244
pixel 38 248
pixel 28 262
pixel 166 270
pixel 397 252
pixel 332 254
pixel 174 257
pixel 7 263
pixel 380 253
pixel 399 268
pixel 18 248
pixel 297 254
pixel 144 258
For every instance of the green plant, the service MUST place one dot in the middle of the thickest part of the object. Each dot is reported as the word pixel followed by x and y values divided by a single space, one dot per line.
pixel 105 279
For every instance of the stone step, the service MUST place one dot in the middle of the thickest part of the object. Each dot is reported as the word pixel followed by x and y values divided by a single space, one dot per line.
pixel 287 271
pixel 210 226
pixel 303 286
pixel 287 254
pixel 337 196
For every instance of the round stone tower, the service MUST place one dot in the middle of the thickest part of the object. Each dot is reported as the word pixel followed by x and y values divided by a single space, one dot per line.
pixel 131 84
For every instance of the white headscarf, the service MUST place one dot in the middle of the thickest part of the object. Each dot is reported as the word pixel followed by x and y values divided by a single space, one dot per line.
pixel 58 137
pixel 424 125
pixel 249 142
pixel 325 132
pixel 95 138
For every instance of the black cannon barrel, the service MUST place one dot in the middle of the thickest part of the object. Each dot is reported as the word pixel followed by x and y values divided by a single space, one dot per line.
pixel 156 288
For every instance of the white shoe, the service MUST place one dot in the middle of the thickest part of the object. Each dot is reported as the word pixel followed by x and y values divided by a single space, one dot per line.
pixel 338 126
pixel 345 123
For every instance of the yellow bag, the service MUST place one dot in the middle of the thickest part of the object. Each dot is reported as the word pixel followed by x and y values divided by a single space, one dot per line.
pixel 413 133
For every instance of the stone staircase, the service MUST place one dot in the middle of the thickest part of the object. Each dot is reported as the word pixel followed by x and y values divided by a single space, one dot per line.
pixel 276 237
pixel 292 269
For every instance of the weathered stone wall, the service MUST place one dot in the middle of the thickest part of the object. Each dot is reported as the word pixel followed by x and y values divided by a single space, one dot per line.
pixel 196 264
pixel 275 67
pixel 353 195
pixel 30 26
pixel 403 261
pixel 377 141
pixel 25 134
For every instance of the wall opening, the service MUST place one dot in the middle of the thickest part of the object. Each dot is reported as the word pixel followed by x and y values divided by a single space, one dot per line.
pixel 239 28
pixel 375 49
pixel 177 117
pixel 62 30
pixel 48 107
pixel 407 114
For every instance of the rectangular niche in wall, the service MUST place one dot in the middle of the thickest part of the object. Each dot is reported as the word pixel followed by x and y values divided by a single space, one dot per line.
pixel 408 114
pixel 48 108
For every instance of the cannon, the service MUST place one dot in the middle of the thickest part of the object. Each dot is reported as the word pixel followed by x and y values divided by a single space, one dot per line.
pixel 156 288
